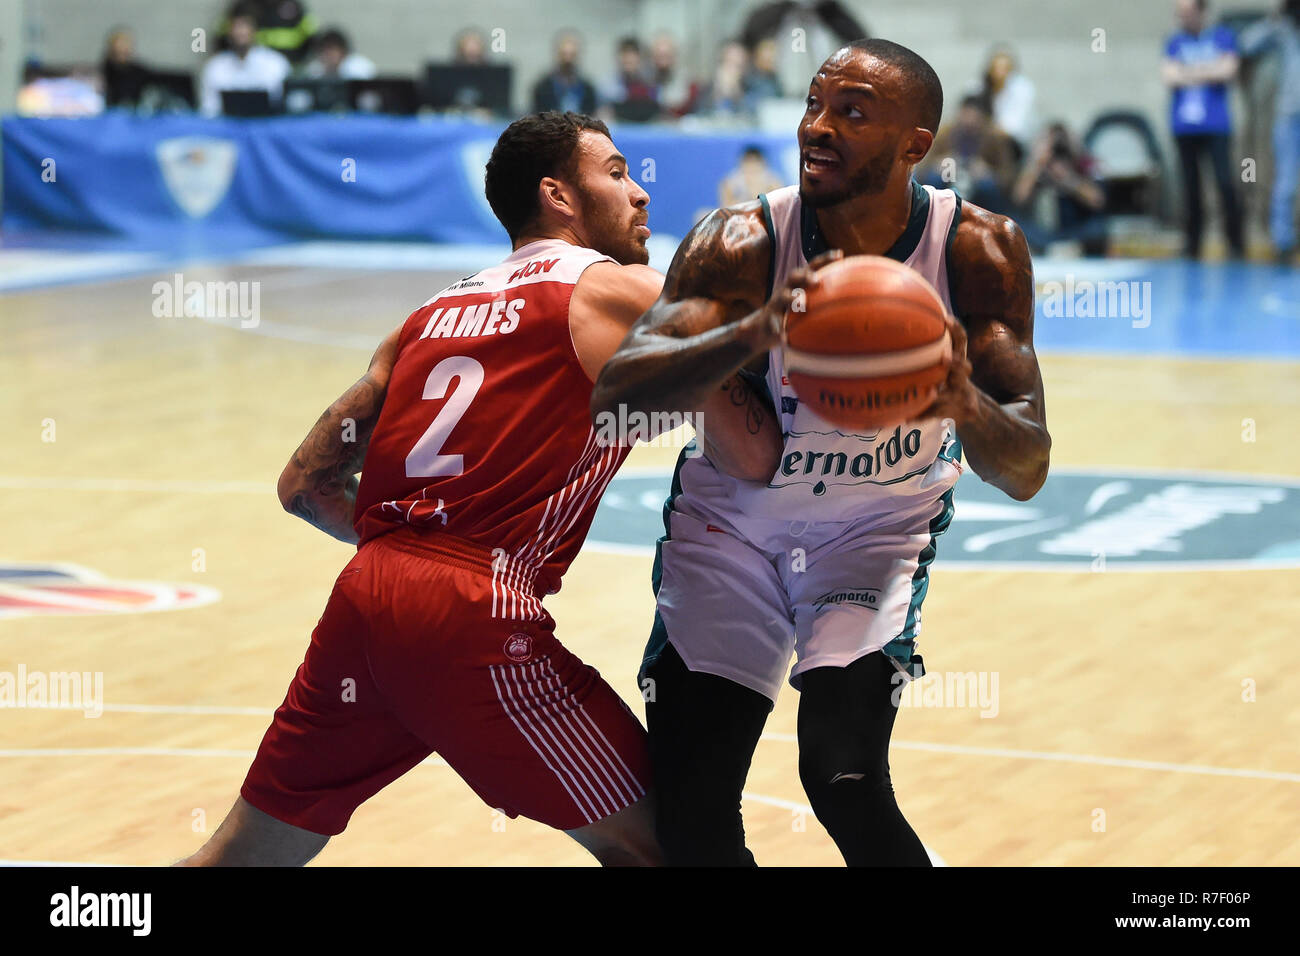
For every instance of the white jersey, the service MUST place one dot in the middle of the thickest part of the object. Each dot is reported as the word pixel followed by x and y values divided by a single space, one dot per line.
pixel 891 477
pixel 829 560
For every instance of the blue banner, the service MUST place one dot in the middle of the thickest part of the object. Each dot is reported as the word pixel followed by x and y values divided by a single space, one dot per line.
pixel 355 177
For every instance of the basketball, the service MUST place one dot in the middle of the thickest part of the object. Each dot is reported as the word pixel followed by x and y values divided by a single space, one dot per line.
pixel 871 348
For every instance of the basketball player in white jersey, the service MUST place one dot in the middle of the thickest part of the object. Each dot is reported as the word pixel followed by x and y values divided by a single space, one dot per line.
pixel 827 561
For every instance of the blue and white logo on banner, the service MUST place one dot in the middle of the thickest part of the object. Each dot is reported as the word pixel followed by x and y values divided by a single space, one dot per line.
pixel 198 171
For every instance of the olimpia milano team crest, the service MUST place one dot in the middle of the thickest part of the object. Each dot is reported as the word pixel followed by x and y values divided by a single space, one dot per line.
pixel 1080 520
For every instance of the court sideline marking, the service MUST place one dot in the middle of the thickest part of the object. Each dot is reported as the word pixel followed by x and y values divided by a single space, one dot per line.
pixel 433 761
pixel 1128 763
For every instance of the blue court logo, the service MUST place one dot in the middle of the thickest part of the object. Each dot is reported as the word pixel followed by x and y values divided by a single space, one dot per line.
pixel 1080 520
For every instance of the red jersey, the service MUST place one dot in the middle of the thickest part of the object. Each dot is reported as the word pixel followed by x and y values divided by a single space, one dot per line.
pixel 485 432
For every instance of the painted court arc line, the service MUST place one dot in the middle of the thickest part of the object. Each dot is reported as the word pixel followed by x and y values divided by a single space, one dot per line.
pixel 179 486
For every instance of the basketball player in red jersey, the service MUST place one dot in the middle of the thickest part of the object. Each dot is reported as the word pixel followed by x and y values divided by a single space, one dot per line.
pixel 482 472
pixel 734 605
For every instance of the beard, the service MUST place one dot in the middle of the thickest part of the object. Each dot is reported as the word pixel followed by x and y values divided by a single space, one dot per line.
pixel 631 251
pixel 611 236
pixel 870 180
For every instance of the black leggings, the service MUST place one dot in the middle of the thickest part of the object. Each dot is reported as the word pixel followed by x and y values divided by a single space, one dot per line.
pixel 846 715
pixel 1191 149
pixel 703 731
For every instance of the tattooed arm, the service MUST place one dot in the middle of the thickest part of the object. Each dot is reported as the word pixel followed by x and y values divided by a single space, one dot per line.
pixel 683 355
pixel 708 321
pixel 739 431
pixel 994 394
pixel 319 484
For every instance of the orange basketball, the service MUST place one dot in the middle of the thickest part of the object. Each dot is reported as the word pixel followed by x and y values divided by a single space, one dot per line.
pixel 871 348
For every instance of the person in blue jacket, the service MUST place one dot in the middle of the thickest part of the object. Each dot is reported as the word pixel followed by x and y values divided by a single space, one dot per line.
pixel 1200 61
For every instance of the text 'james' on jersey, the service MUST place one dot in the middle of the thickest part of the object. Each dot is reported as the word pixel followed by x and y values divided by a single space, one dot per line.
pixel 487 318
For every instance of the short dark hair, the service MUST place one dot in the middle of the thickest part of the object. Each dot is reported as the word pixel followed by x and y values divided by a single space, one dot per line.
pixel 333 37
pixel 244 10
pixel 919 75
pixel 629 43
pixel 531 148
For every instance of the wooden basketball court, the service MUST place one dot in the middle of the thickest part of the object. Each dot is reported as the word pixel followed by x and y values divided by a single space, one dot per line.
pixel 1144 717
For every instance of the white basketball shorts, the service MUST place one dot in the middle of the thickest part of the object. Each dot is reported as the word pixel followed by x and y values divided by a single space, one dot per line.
pixel 824 594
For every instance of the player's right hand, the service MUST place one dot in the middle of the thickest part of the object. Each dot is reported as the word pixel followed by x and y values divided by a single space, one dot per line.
pixel 789 304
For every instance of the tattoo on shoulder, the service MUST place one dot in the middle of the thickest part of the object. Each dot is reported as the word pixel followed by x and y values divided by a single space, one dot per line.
pixel 336 446
pixel 725 255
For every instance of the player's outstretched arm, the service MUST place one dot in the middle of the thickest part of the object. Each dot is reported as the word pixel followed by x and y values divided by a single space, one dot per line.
pixel 708 322
pixel 319 484
pixel 608 301
pixel 995 393
pixel 684 353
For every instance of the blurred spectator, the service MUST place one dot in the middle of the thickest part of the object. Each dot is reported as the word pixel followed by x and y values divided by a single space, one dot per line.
pixel 242 66
pixel 1059 165
pixel 751 178
pixel 972 155
pixel 564 88
pixel 335 59
pixel 725 94
pixel 470 48
pixel 1283 32
pixel 629 93
pixel 762 81
pixel 59 93
pixel 1010 95
pixel 284 26
pixel 124 76
pixel 824 26
pixel 674 90
pixel 1199 63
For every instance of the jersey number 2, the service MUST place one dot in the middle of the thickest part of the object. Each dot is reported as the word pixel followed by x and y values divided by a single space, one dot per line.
pixel 426 459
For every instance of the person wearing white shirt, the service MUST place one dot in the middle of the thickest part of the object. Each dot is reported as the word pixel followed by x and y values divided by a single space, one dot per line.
pixel 1010 95
pixel 244 66
pixel 335 59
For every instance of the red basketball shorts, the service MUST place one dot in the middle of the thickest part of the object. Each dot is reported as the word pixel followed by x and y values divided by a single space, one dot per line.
pixel 416 654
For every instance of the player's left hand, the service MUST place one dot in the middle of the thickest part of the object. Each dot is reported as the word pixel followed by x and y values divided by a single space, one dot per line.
pixel 958 396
